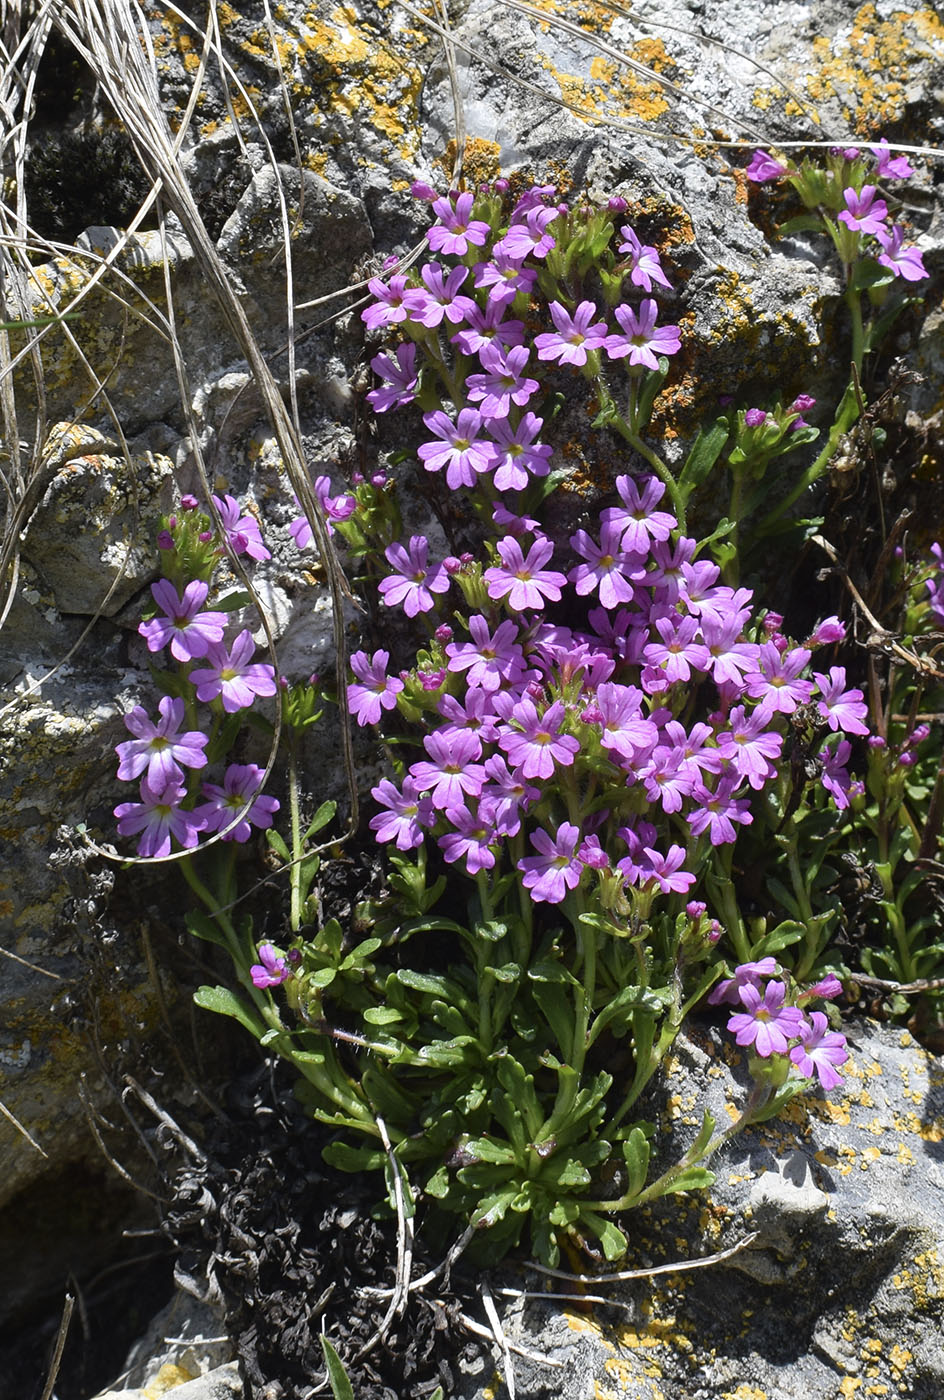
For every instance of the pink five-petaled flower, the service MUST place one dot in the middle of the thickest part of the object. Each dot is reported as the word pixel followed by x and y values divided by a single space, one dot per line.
pixel 887 166
pixel 574 336
pixel 388 309
pixel 903 262
pixel 190 632
pixel 271 970
pixel 452 772
pixel 766 1023
pixel 373 691
pixel 408 813
pixel 643 261
pixel 504 277
pixel 863 212
pixel 608 567
pixel 239 795
pixel 438 297
pixel 242 531
pixel 524 581
pixel 841 709
pixel 819 1051
pixel 750 747
pixel 470 841
pixel 667 870
pixel 763 168
pixel 730 989
pixel 399 379
pixel 557 868
pixel 459 448
pixel 637 517
pixel 158 818
pixel 835 777
pixel 717 812
pixel 529 238
pixel 456 228
pixel 641 339
pixel 489 659
pixel 519 456
pixel 160 748
pixel 776 681
pixel 503 383
pixel 537 746
pixel 414 582
pixel 233 675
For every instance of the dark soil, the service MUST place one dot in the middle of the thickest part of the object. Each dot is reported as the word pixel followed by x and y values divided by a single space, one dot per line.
pixel 291 1244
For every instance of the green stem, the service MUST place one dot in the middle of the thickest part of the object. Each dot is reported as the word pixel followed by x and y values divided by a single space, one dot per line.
pixel 846 416
pixel 295 873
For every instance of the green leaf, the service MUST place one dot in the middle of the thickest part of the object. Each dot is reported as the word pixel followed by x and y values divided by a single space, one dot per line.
pixel 636 1156
pixel 557 1008
pixel 202 926
pixel 381 1015
pixel 625 1004
pixel 613 1240
pixel 232 602
pixel 341 1387
pixel 321 818
pixel 802 223
pixel 433 985
pixel 705 451
pixel 277 844
pixel 353 1159
pixel 493 1208
pixel 322 977
pixel 488 1150
pixel 227 1003
pixel 783 936
pixel 692 1179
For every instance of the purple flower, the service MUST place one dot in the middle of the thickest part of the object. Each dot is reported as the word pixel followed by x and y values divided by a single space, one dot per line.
pixel 643 261
pixel 388 308
pixel 505 796
pixel 887 166
pixel 160 748
pixel 242 531
pixel 505 278
pixel 718 812
pixel 438 297
pixel 239 796
pixel 456 228
pixel 502 383
pixel 730 657
pixel 518 455
pixel 271 970
pixel 637 518
pixel 903 262
pixel 469 842
pixel 489 659
pixel 819 1051
pixel 374 691
pixel 158 818
pixel 841 709
pixel 667 870
pixel 746 973
pixel 642 340
pixel 775 682
pixel 414 582
pixel 233 675
pixel 482 328
pixel 407 815
pixel 524 581
pixel 557 869
pixel 835 777
pixel 626 732
pixel 828 631
pixel 399 379
pixel 530 238
pixel 766 1023
pixel 574 337
pixel 537 745
pixel 608 567
pixel 474 713
pixel 863 212
pixel 763 168
pixel 749 747
pixel 190 632
pixel 459 449
pixel 678 650
pixel 452 771
pixel 754 418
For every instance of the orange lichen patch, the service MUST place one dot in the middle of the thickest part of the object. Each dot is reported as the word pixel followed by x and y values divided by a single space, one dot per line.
pixel 481 161
pixel 868 70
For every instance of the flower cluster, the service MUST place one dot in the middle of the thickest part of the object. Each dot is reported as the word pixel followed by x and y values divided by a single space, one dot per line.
pixel 570 734
pixel 773 1025
pixel 212 671
pixel 847 189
